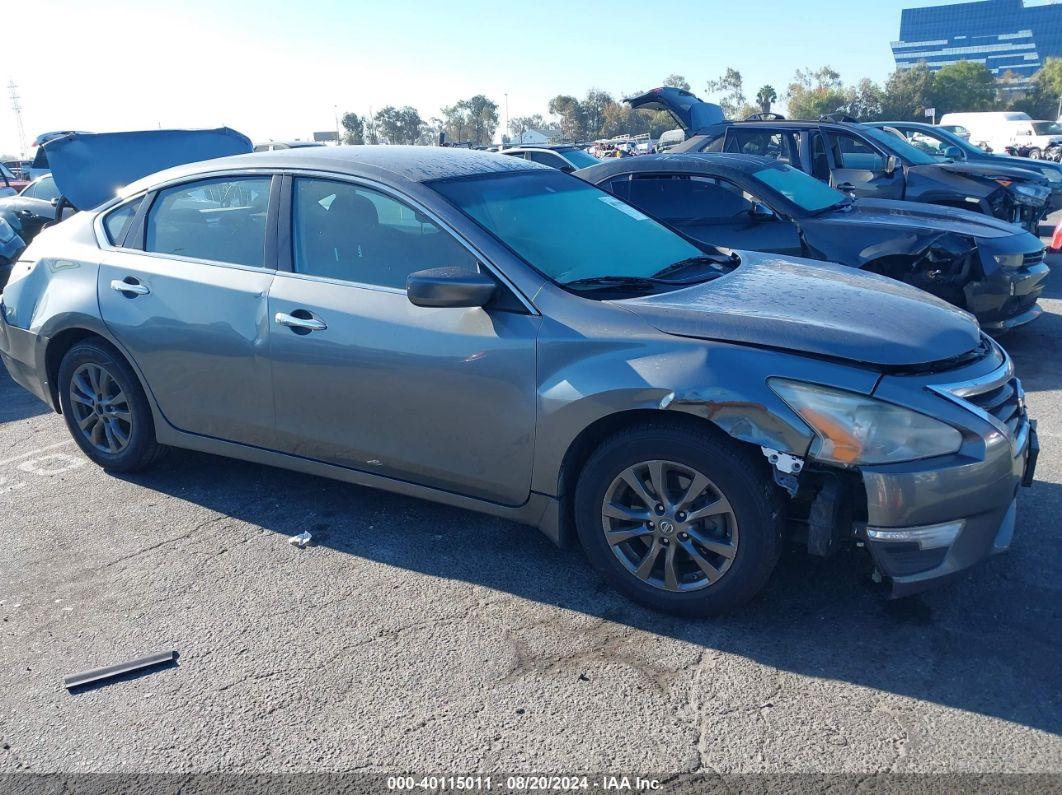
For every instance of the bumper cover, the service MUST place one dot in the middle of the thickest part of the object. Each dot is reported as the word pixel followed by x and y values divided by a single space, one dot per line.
pixel 930 520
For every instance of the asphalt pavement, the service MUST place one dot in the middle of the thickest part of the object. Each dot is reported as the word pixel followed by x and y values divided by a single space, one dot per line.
pixel 412 637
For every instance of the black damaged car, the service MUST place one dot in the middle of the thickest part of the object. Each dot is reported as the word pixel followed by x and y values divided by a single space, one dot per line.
pixel 858 159
pixel 992 269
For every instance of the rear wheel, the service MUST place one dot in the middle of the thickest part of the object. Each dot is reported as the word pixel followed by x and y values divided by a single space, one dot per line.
pixel 105 408
pixel 1035 153
pixel 681 521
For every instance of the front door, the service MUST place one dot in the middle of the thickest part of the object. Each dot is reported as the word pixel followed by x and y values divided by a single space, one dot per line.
pixel 441 397
pixel 860 168
pixel 187 301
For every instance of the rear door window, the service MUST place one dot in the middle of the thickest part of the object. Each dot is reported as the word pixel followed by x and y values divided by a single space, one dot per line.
pixel 221 220
pixel 777 145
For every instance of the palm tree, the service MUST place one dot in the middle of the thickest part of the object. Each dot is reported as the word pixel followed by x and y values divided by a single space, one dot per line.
pixel 765 96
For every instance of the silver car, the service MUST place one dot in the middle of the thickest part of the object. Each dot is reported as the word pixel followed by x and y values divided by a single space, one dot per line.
pixel 497 335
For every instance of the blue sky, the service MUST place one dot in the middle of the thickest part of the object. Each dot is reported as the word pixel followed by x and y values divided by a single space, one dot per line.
pixel 280 69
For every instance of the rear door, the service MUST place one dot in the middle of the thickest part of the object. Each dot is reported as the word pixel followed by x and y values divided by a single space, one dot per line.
pixel 442 397
pixel 186 297
pixel 859 167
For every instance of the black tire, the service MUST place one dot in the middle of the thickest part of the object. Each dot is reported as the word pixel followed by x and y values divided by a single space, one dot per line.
pixel 1035 154
pixel 140 448
pixel 734 474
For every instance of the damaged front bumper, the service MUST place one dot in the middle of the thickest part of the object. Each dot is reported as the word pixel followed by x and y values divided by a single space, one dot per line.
pixel 928 520
pixel 1005 296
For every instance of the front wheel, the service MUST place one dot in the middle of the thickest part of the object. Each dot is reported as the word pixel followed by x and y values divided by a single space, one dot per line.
pixel 1035 154
pixel 681 520
pixel 105 408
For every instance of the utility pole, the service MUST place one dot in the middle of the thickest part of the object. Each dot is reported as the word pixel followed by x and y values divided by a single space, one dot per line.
pixel 506 130
pixel 16 106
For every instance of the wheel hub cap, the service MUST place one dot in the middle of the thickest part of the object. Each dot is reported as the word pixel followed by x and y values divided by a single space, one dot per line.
pixel 669 525
pixel 100 409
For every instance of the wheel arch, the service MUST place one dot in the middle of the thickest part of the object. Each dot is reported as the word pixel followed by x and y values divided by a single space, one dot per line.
pixel 593 435
pixel 60 343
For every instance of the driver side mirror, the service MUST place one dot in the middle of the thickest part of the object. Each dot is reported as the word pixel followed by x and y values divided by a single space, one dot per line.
pixel 761 212
pixel 891 164
pixel 954 153
pixel 450 287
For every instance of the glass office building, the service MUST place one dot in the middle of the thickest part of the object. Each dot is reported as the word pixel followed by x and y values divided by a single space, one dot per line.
pixel 1015 36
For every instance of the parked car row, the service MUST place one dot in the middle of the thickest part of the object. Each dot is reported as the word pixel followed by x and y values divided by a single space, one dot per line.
pixel 616 367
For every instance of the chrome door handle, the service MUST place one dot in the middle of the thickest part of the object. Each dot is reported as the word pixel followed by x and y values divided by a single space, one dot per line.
pixel 133 288
pixel 304 323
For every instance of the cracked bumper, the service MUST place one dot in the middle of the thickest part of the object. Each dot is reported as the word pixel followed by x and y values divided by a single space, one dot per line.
pixel 963 513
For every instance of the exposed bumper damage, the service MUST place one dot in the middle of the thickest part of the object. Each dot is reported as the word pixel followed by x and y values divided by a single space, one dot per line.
pixel 924 521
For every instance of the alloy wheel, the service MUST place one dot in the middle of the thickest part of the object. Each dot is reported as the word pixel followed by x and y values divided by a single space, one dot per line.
pixel 101 409
pixel 669 525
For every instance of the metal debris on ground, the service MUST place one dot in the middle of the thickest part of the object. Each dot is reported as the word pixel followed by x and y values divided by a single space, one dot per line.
pixel 301 540
pixel 71 681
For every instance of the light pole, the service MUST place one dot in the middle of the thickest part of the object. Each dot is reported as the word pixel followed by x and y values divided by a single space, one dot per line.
pixel 335 109
pixel 506 130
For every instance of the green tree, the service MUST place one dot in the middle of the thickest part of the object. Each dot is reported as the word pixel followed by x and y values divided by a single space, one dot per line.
pixel 399 125
pixel 472 120
pixel 815 93
pixel 354 129
pixel 572 119
pixel 864 101
pixel 593 108
pixel 766 97
pixel 963 86
pixel 730 87
pixel 907 94
pixel 677 81
pixel 518 125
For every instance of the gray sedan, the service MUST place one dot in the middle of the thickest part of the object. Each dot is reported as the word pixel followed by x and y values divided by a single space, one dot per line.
pixel 489 333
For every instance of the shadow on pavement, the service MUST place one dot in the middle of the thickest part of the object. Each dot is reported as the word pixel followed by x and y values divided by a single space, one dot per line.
pixel 989 643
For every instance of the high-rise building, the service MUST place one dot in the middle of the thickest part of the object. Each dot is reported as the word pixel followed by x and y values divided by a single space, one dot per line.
pixel 1015 36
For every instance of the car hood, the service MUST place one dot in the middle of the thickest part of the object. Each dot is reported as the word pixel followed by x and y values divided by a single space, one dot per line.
pixel 815 308
pixel 89 168
pixel 902 214
pixel 986 170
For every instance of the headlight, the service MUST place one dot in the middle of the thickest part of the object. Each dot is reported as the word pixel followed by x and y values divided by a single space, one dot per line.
pixel 1013 260
pixel 1053 174
pixel 856 429
pixel 7 234
pixel 1030 194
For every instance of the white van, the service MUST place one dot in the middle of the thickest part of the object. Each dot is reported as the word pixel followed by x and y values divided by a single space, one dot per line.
pixel 1000 129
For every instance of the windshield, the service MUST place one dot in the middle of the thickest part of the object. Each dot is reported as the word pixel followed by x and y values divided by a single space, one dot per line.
pixel 899 147
pixel 1046 128
pixel 803 190
pixel 579 158
pixel 566 228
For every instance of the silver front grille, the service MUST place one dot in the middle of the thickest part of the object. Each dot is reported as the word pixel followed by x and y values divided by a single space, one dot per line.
pixel 997 397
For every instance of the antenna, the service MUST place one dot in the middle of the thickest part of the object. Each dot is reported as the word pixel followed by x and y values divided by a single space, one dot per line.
pixel 16 106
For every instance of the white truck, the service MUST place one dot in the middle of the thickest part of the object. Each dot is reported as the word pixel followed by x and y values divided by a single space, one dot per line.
pixel 1000 129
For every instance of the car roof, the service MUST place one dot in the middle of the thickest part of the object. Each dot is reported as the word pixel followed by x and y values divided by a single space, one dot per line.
pixel 391 163
pixel 686 162
pixel 542 148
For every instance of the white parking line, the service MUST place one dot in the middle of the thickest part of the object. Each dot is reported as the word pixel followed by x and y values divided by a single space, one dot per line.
pixel 28 453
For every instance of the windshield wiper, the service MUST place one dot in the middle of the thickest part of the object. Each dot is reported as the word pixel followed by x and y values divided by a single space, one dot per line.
pixel 703 259
pixel 630 282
